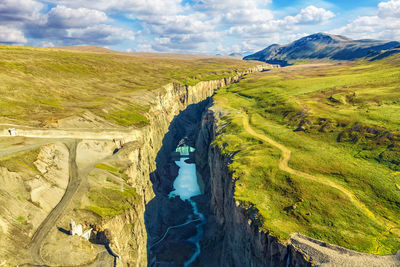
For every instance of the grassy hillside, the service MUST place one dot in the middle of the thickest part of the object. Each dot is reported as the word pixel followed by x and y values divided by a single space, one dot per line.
pixel 39 85
pixel 342 126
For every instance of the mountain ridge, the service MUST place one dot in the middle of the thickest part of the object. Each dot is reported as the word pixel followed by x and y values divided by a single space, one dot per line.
pixel 324 46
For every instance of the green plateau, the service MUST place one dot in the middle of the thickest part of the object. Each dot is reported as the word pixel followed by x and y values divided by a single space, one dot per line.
pixel 316 150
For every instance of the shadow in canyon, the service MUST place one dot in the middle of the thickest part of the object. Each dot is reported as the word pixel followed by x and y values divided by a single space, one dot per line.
pixel 170 222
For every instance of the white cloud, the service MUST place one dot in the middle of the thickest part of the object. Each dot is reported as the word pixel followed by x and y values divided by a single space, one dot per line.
pixel 218 6
pixel 135 7
pixel 11 36
pixel 46 44
pixel 361 25
pixel 384 25
pixel 235 11
pixel 103 34
pixel 180 24
pixel 389 9
pixel 310 15
pixel 91 4
pixel 142 8
pixel 144 48
pixel 195 43
pixel 20 10
pixel 64 17
pixel 179 33
pixel 61 25
pixel 170 25
pixel 257 30
pixel 245 16
pixel 226 50
pixel 371 27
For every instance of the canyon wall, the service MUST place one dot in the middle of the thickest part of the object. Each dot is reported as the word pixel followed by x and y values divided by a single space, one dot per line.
pixel 232 236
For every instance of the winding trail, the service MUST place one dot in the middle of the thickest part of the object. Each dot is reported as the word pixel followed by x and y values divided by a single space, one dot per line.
pixel 43 230
pixel 283 165
pixel 71 139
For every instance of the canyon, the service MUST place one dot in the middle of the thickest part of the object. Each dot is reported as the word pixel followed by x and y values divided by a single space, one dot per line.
pixel 153 228
pixel 134 151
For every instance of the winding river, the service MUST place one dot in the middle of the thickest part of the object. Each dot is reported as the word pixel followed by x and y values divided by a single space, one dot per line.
pixel 186 187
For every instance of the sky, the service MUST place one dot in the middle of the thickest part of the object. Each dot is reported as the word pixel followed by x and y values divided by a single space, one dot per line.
pixel 191 26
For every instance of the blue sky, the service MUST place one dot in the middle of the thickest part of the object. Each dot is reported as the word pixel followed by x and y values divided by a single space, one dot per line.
pixel 191 26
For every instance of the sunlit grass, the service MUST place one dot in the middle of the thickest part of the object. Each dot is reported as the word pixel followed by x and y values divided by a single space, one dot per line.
pixel 40 84
pixel 278 102
pixel 110 202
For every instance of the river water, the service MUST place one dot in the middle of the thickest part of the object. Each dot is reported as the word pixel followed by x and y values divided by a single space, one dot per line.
pixel 185 184
pixel 185 187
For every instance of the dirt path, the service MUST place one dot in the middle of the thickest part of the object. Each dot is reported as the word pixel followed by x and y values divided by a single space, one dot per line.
pixel 87 134
pixel 283 165
pixel 43 230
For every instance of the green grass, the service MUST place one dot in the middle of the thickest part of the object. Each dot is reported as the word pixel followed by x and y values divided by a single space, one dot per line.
pixel 106 167
pixel 127 117
pixel 351 136
pixel 40 85
pixel 22 162
pixel 21 219
pixel 116 170
pixel 110 202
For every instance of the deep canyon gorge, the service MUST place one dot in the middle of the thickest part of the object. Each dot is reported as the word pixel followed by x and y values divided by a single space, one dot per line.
pixel 229 238
pixel 112 158
pixel 230 232
pixel 180 208
pixel 184 115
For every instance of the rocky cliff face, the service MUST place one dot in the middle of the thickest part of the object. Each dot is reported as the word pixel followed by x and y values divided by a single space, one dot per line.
pixel 233 237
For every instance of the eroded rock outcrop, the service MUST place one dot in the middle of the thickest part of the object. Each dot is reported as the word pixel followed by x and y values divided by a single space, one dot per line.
pixel 29 190
pixel 48 188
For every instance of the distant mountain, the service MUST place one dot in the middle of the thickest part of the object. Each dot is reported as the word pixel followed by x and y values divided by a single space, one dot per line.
pixel 235 55
pixel 324 46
